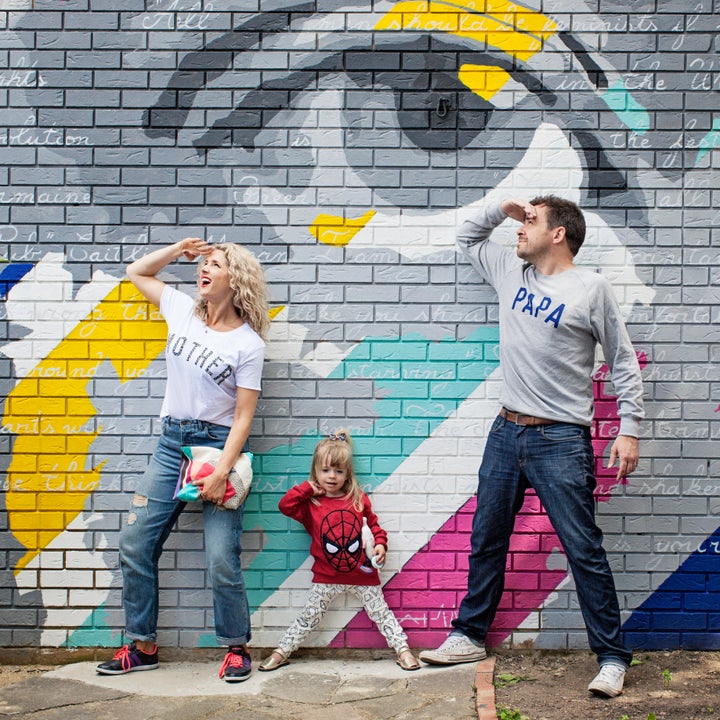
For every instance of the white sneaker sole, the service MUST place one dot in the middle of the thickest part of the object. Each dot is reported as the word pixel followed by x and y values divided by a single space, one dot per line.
pixel 604 690
pixel 434 658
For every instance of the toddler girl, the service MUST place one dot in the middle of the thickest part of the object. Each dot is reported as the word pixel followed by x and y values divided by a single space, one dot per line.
pixel 332 507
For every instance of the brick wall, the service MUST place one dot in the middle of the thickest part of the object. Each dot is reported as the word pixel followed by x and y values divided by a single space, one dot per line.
pixel 343 144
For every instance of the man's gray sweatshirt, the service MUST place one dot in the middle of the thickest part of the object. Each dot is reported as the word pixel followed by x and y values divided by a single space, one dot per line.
pixel 549 328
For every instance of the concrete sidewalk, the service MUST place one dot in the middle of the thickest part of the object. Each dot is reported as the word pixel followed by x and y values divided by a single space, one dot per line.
pixel 361 688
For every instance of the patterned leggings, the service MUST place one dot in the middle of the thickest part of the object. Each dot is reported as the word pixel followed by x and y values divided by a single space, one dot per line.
pixel 318 603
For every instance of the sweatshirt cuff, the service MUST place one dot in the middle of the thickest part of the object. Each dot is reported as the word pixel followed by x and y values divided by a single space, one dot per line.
pixel 306 489
pixel 629 426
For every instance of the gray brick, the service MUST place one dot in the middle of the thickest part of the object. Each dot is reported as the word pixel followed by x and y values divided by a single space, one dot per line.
pixel 36 20
pixel 92 20
pixel 328 274
pixel 21 214
pixel 83 215
pixel 125 41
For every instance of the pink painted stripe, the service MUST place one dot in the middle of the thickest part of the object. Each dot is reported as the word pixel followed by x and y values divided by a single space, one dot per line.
pixel 426 593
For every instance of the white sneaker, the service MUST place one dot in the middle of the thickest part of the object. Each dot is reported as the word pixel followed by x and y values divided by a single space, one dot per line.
pixel 456 649
pixel 609 681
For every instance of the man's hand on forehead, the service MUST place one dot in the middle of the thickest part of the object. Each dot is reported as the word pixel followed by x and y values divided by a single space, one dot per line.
pixel 519 209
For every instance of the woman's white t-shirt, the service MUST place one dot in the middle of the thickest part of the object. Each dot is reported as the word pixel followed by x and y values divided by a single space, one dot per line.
pixel 204 367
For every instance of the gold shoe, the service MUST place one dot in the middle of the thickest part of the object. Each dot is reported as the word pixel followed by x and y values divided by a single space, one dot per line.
pixel 406 660
pixel 271 662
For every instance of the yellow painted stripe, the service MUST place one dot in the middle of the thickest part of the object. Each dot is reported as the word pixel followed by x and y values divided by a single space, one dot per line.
pixel 511 28
pixel 484 80
pixel 334 230
pixel 52 417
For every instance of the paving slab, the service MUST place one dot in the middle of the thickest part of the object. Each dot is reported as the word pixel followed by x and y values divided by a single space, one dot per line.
pixel 307 689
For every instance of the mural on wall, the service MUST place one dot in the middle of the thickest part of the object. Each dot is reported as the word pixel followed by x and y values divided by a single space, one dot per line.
pixel 344 144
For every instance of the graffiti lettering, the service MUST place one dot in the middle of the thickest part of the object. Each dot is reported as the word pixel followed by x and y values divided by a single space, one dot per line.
pixel 697 487
pixel 637 141
pixel 572 83
pixel 26 78
pixel 7 486
pixel 702 81
pixel 49 136
pixel 659 488
pixel 77 253
pixel 28 253
pixel 47 371
pixel 63 197
pixel 594 24
pixel 675 546
pixel 83 372
pixel 152 22
pixel 647 81
pixel 17 198
pixel 70 483
pixel 711 546
pixel 689 315
pixel 28 427
pixel 646 23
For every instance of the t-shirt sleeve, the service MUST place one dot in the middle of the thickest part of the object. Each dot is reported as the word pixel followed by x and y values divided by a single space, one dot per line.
pixel 248 373
pixel 173 302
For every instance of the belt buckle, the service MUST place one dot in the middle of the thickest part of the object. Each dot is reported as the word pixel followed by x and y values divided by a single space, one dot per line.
pixel 519 419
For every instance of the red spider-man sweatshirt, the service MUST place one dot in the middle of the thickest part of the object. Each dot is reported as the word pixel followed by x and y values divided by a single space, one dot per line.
pixel 335 526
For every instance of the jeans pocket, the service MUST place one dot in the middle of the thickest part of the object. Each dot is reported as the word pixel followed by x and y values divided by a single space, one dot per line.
pixel 498 424
pixel 216 433
pixel 562 432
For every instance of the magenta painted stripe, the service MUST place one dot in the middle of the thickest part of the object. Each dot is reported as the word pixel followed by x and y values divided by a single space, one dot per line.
pixel 426 593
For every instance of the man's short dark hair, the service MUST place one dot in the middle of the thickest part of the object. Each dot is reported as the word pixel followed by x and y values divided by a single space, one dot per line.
pixel 564 213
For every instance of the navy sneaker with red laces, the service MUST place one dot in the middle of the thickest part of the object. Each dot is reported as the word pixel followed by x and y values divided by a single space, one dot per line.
pixel 236 665
pixel 129 658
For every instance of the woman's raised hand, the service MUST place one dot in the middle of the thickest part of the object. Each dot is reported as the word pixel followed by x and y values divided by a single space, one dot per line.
pixel 192 248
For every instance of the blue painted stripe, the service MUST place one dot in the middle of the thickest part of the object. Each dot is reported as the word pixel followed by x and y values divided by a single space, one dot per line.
pixel 11 275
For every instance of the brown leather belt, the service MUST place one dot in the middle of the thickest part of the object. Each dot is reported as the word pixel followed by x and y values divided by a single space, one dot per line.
pixel 520 419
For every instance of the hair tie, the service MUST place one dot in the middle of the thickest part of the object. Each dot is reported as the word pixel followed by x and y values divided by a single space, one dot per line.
pixel 340 436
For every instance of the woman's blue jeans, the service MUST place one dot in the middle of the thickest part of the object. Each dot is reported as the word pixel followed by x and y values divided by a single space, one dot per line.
pixel 557 462
pixel 152 517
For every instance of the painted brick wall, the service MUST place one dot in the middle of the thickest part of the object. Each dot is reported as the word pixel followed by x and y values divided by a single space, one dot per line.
pixel 343 144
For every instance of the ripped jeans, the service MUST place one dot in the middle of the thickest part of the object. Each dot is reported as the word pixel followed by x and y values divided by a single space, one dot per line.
pixel 153 515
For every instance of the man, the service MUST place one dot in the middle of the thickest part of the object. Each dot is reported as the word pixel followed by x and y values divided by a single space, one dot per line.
pixel 552 315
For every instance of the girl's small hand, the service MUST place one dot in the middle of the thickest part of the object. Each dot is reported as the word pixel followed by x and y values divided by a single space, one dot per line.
pixel 192 248
pixel 317 490
pixel 379 554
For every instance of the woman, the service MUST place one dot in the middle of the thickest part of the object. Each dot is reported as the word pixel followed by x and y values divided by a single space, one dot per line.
pixel 214 356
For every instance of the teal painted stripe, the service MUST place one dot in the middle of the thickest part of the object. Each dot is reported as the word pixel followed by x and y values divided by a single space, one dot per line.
pixel 442 374
pixel 95 632
pixel 629 110
pixel 710 141
pixel 447 371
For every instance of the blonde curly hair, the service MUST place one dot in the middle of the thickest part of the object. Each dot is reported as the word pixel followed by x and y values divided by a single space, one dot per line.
pixel 249 288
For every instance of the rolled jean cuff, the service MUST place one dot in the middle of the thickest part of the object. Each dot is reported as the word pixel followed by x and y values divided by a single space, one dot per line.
pixel 232 641
pixel 142 638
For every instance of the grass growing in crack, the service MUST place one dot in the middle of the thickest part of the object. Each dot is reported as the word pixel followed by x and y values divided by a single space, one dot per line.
pixel 508 679
pixel 506 713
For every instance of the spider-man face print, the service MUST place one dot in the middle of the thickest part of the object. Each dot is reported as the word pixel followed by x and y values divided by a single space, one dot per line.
pixel 340 535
